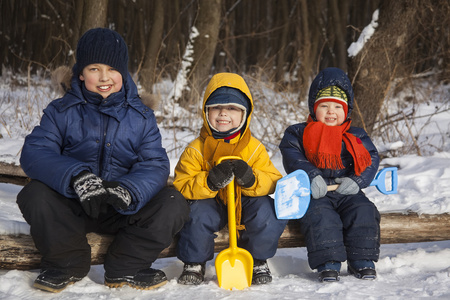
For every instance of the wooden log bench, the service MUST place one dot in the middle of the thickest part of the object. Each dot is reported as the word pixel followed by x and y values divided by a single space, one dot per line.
pixel 18 251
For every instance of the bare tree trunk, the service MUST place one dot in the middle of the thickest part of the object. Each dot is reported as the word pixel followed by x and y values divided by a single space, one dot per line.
pixel 94 15
pixel 199 53
pixel 309 45
pixel 148 72
pixel 339 12
pixel 283 23
pixel 380 61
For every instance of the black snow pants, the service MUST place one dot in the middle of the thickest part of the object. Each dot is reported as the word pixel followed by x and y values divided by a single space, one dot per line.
pixel 59 225
pixel 341 227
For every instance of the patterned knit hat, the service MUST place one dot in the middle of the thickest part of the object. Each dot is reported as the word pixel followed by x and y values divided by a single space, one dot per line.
pixel 332 94
pixel 102 45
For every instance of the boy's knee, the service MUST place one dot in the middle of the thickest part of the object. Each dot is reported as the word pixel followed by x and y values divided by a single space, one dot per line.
pixel 34 194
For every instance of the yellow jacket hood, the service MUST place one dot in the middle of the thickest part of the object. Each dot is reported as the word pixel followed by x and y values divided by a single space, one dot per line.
pixel 227 80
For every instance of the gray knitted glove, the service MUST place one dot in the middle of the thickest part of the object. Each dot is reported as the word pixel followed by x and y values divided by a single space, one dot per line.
pixel 347 186
pixel 318 187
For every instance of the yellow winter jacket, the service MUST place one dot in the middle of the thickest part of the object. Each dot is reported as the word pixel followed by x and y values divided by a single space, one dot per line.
pixel 198 158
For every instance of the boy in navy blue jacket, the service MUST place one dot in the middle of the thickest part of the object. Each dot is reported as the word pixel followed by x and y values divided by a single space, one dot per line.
pixel 97 164
pixel 342 224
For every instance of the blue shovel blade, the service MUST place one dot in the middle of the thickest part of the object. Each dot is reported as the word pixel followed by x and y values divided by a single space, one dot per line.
pixel 292 195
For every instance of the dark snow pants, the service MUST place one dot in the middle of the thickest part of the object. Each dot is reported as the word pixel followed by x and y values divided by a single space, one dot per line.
pixel 260 237
pixel 341 227
pixel 59 226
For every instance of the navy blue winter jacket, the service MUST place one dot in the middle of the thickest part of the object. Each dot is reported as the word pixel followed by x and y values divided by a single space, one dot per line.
pixel 291 145
pixel 116 138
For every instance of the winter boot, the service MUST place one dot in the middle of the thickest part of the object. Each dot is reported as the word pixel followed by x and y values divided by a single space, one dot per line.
pixel 261 272
pixel 193 274
pixel 54 281
pixel 362 269
pixel 329 272
pixel 145 279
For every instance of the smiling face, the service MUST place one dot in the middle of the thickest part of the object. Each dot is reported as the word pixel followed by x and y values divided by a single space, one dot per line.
pixel 101 79
pixel 225 117
pixel 330 113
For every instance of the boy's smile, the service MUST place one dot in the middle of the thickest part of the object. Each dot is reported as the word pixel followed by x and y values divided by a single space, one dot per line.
pixel 101 79
pixel 225 117
pixel 330 113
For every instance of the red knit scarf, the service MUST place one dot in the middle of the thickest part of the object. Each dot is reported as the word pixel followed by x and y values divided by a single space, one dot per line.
pixel 323 145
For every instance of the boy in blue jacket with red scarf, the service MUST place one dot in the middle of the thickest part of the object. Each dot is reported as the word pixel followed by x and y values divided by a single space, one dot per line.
pixel 97 165
pixel 342 224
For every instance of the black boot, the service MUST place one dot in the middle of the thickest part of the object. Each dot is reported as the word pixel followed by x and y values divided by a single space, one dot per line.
pixel 146 279
pixel 328 276
pixel 261 272
pixel 193 274
pixel 362 269
pixel 329 271
pixel 54 280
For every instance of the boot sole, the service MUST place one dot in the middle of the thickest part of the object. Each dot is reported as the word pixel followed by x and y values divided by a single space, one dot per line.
pixel 52 289
pixel 355 273
pixel 135 286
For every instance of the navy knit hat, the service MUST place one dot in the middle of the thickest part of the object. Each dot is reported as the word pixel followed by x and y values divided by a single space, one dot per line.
pixel 104 46
pixel 228 96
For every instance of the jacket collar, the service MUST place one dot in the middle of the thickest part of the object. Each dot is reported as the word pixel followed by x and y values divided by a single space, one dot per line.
pixel 128 97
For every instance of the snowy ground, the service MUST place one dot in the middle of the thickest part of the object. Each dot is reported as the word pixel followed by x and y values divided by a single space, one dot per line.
pixel 405 271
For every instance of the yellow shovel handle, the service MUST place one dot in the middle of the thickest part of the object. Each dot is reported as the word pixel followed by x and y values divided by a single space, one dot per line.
pixel 231 205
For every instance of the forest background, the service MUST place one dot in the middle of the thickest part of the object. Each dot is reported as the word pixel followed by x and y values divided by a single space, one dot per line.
pixel 277 45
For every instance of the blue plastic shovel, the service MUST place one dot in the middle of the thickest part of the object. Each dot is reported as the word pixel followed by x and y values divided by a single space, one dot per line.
pixel 293 192
pixel 292 195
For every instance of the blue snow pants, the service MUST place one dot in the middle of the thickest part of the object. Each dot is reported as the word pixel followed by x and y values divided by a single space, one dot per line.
pixel 260 237
pixel 341 227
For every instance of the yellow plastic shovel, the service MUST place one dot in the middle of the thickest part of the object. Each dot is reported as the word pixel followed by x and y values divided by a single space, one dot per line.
pixel 234 266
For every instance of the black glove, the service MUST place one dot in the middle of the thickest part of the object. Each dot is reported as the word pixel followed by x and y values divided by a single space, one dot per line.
pixel 118 196
pixel 91 192
pixel 220 176
pixel 244 173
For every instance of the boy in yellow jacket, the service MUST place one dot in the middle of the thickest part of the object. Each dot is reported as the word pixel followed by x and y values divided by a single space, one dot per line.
pixel 227 109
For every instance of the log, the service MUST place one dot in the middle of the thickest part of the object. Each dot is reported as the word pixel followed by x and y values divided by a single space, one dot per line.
pixel 12 173
pixel 18 251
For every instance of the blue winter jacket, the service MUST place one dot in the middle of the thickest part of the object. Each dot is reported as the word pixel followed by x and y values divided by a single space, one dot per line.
pixel 116 138
pixel 291 145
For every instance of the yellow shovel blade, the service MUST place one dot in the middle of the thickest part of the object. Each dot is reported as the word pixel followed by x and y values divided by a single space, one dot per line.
pixel 234 269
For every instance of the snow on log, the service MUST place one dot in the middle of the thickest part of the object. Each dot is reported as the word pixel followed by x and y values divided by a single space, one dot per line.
pixel 18 251
pixel 11 173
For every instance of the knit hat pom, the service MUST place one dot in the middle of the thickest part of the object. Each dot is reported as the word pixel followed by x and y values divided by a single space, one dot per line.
pixel 332 94
pixel 102 46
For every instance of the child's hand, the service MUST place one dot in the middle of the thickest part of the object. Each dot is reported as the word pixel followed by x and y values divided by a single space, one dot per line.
pixel 347 186
pixel 91 192
pixel 119 197
pixel 220 176
pixel 244 173
pixel 318 187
